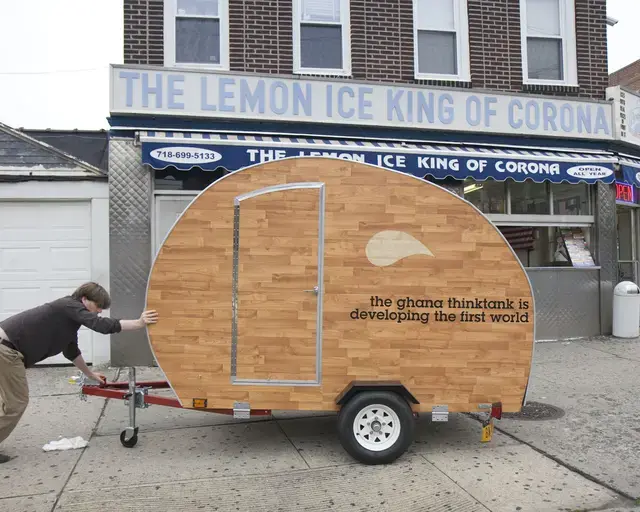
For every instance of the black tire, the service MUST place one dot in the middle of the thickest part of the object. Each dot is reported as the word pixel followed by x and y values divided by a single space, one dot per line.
pixel 129 443
pixel 349 413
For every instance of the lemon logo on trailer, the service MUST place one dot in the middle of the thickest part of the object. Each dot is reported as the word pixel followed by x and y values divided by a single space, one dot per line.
pixel 388 247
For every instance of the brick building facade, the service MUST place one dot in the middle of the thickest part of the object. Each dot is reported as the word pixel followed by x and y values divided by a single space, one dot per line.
pixel 382 42
pixel 628 76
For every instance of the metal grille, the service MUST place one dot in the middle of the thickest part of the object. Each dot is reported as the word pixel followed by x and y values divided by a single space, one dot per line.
pixel 130 248
pixel 567 303
pixel 607 258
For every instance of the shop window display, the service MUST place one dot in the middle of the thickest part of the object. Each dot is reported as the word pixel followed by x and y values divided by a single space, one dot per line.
pixel 551 246
pixel 571 199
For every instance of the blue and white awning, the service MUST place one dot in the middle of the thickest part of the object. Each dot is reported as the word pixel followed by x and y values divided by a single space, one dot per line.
pixel 209 151
pixel 630 167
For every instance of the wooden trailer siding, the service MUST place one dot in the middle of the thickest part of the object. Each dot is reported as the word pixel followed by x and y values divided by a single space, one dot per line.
pixel 377 244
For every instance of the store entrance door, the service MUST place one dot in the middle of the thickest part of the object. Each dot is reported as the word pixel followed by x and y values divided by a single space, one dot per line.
pixel 627 223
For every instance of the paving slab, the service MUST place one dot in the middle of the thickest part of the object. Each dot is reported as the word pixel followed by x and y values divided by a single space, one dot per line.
pixel 597 391
pixel 509 478
pixel 410 485
pixel 169 455
pixel 459 433
pixel 628 348
pixel 620 509
pixel 46 419
pixel 316 439
pixel 36 503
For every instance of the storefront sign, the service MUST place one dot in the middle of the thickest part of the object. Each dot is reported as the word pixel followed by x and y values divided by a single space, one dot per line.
pixel 630 171
pixel 140 90
pixel 160 155
pixel 624 192
pixel 626 114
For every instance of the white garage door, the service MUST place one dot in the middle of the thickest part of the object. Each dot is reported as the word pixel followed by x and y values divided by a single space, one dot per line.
pixel 45 253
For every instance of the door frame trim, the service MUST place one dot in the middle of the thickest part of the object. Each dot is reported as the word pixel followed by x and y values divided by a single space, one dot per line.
pixel 320 290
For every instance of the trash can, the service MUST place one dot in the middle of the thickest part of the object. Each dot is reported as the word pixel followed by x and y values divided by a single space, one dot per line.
pixel 626 310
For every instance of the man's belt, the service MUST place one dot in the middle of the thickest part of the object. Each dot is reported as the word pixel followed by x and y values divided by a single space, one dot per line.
pixel 8 344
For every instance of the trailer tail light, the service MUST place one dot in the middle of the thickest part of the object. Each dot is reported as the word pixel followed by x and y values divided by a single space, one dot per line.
pixel 496 410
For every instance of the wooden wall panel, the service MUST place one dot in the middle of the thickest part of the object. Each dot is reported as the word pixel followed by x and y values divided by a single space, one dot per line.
pixel 393 244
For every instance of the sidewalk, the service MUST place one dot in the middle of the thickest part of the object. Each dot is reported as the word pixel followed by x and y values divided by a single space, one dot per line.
pixel 597 384
pixel 189 460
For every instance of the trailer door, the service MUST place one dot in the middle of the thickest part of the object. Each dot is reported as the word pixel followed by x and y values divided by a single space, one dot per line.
pixel 277 285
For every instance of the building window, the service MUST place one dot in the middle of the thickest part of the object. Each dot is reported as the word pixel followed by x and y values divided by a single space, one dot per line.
pixel 487 196
pixel 571 199
pixel 546 224
pixel 441 39
pixel 321 37
pixel 548 42
pixel 529 198
pixel 196 33
pixel 551 246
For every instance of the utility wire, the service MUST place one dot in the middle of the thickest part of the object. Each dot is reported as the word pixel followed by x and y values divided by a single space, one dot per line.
pixel 50 72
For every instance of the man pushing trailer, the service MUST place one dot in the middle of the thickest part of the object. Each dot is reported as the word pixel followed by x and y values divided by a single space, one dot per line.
pixel 45 331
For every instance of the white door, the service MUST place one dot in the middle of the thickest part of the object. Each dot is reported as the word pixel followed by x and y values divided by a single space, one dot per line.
pixel 166 212
pixel 45 253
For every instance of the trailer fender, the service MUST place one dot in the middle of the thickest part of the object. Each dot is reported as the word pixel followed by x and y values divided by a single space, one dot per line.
pixel 357 386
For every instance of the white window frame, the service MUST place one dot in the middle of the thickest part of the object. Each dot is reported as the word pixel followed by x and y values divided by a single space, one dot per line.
pixel 568 36
pixel 170 8
pixel 461 19
pixel 345 19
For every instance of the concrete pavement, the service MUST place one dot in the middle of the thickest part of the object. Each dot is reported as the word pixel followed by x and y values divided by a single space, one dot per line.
pixel 597 384
pixel 188 460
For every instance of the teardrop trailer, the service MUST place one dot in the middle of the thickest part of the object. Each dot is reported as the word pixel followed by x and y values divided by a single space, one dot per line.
pixel 319 284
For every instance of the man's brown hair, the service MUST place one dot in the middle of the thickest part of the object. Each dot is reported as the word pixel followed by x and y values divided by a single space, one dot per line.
pixel 95 293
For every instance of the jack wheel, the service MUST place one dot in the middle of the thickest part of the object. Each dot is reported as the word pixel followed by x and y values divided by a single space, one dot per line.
pixel 129 443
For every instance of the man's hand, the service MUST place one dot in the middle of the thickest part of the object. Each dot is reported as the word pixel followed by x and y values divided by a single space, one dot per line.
pixel 82 366
pixel 146 318
pixel 99 377
pixel 149 317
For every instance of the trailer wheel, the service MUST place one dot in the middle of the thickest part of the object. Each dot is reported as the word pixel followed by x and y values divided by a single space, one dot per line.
pixel 129 443
pixel 376 427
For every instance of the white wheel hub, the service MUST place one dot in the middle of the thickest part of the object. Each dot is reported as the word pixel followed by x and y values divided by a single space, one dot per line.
pixel 376 427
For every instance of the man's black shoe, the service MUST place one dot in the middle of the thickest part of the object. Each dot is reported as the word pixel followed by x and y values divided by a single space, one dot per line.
pixel 4 458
